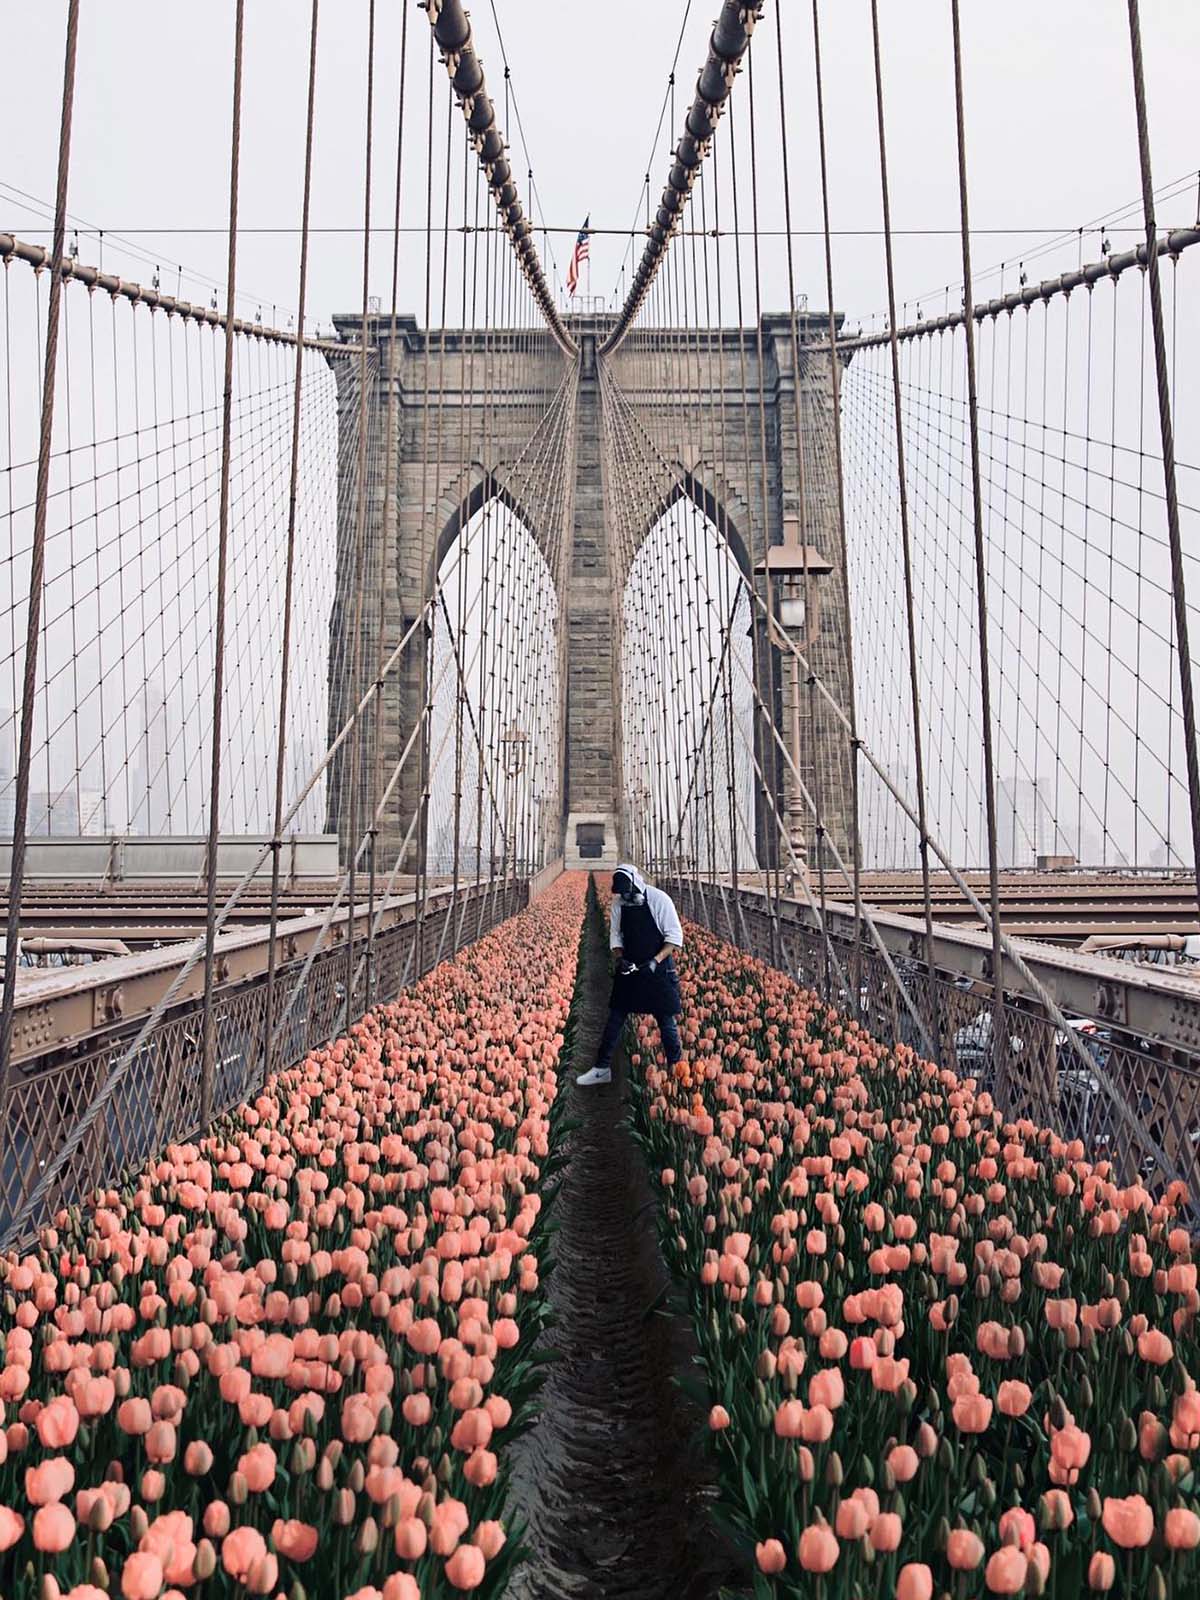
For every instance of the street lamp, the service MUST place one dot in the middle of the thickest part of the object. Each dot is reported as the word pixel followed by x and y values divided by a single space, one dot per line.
pixel 794 572
pixel 515 744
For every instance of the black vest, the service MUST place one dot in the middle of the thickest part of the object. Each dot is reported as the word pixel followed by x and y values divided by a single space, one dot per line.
pixel 641 937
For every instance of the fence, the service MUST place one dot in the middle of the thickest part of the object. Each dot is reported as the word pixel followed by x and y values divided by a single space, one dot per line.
pixel 1135 1103
pixel 154 1096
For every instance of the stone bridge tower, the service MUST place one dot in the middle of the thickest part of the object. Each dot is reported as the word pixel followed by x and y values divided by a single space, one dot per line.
pixel 425 399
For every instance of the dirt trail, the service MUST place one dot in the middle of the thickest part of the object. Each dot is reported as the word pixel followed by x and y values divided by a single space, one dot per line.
pixel 612 1478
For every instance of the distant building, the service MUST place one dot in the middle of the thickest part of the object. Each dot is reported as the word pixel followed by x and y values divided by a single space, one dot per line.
pixel 52 813
pixel 150 799
pixel 92 816
pixel 1024 827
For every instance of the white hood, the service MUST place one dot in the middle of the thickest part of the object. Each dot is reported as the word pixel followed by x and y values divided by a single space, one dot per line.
pixel 639 883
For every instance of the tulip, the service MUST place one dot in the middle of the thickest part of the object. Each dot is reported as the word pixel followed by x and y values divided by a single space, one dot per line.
pixel 53 1528
pixel 964 1549
pixel 915 1582
pixel 1006 1570
pixel 886 1531
pixel 1182 1529
pixel 295 1540
pixel 818 1550
pixel 1013 1398
pixel 771 1557
pixel 12 1527
pixel 142 1577
pixel 466 1567
pixel 1128 1522
pixel 1102 1572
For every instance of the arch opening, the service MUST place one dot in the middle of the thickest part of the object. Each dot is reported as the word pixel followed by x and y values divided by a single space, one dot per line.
pixel 687 699
pixel 495 734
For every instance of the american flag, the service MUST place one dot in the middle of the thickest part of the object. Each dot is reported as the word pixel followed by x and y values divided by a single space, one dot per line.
pixel 580 253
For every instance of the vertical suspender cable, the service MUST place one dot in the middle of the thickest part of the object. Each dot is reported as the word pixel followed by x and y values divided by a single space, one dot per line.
pixel 360 533
pixel 902 486
pixel 835 384
pixel 1166 427
pixel 389 533
pixel 37 562
pixel 1000 1051
pixel 208 1057
pixel 293 483
pixel 818 786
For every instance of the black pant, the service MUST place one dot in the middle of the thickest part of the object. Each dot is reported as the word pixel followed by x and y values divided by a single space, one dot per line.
pixel 667 1026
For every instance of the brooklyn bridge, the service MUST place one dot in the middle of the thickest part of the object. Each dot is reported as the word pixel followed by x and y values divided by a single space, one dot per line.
pixel 358 631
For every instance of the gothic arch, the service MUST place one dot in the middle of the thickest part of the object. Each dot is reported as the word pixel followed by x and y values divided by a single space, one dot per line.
pixel 458 503
pixel 717 499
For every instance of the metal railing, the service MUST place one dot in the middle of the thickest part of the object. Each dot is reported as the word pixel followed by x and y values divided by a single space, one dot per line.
pixel 157 1100
pixel 1137 1104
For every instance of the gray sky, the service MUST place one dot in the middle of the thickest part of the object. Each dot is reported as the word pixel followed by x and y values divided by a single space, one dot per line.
pixel 1050 125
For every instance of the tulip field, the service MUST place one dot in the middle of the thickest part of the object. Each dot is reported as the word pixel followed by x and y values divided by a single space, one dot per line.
pixel 289 1358
pixel 940 1355
pixel 944 1355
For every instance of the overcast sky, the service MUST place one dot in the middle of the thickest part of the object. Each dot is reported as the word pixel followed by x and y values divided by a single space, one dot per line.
pixel 1049 115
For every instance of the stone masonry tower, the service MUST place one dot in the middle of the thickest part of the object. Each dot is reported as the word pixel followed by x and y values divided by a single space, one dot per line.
pixel 429 393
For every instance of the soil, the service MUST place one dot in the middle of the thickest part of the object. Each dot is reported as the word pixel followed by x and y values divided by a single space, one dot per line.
pixel 613 1479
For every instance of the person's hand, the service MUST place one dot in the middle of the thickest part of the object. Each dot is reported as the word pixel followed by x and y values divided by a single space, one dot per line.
pixel 627 968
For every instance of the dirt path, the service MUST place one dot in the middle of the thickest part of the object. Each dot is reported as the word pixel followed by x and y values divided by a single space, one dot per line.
pixel 611 1479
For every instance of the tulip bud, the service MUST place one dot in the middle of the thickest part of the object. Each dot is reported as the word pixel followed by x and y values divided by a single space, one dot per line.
pixel 834 1475
pixel 138 1523
pixel 343 1508
pixel 425 1507
pixel 368 1538
pixel 98 1573
pixel 239 1490
pixel 100 1517
pixel 205 1562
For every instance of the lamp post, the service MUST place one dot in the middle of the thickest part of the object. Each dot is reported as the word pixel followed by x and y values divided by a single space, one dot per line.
pixel 515 742
pixel 794 572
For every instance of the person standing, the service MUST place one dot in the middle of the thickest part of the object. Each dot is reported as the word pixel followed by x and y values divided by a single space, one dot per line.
pixel 644 934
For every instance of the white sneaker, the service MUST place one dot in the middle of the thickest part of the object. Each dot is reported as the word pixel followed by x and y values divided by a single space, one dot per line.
pixel 588 1080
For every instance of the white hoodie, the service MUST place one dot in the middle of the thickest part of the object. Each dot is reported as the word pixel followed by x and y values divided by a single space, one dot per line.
pixel 660 905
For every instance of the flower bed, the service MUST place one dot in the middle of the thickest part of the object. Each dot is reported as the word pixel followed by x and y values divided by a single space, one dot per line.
pixel 296 1350
pixel 944 1354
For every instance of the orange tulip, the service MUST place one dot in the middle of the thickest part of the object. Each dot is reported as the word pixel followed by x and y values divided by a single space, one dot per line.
pixel 1128 1522
pixel 819 1550
pixel 771 1557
